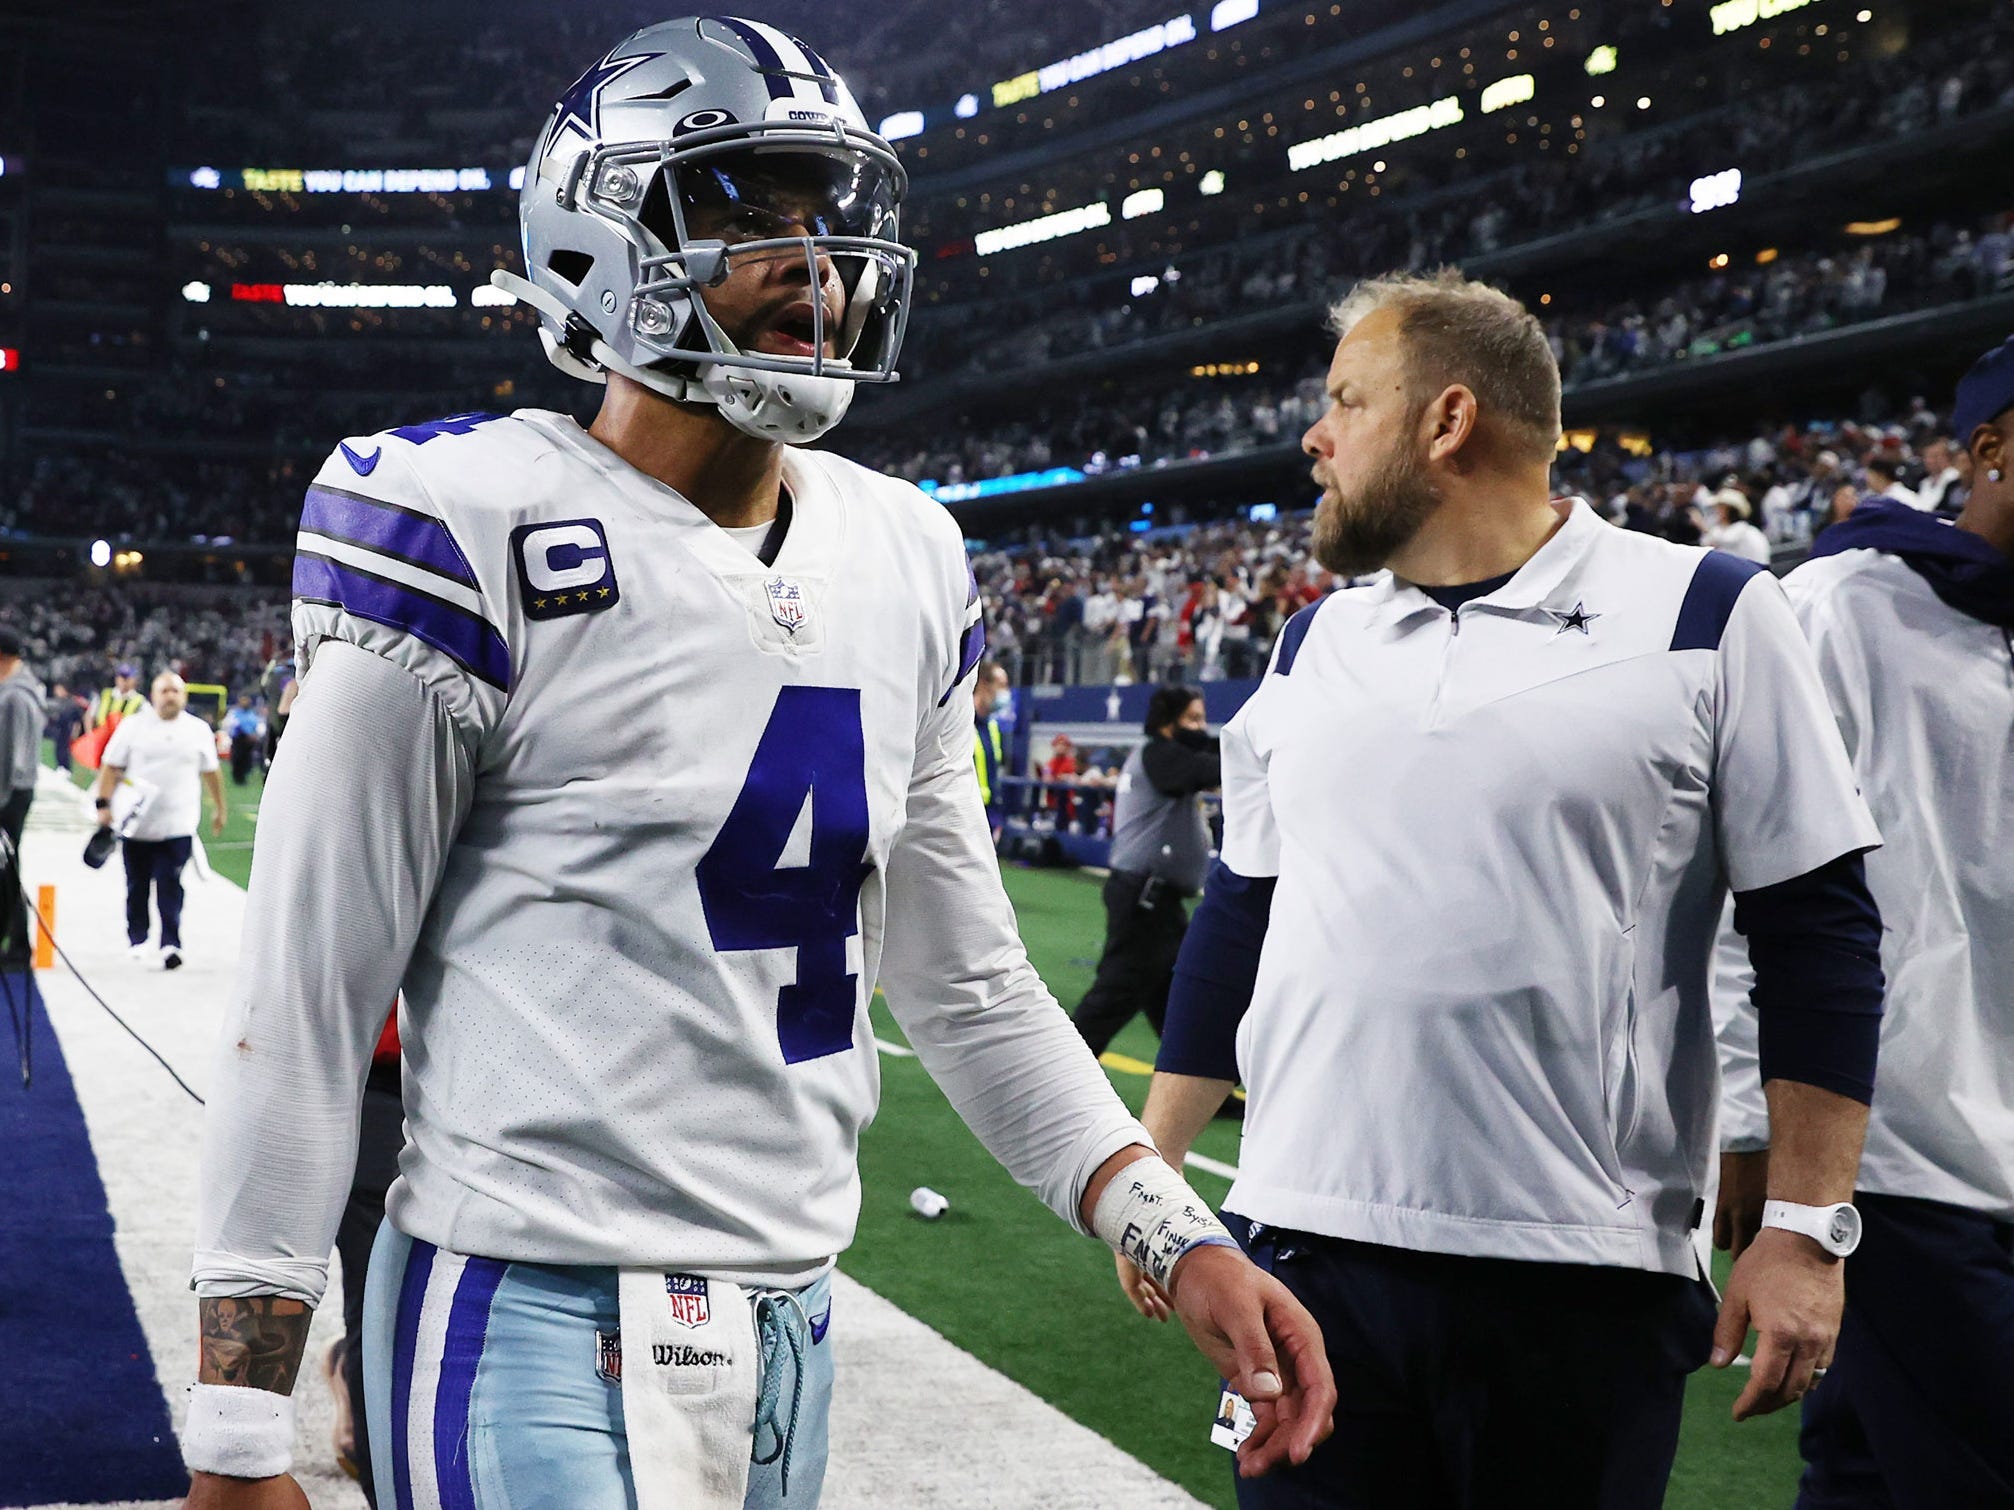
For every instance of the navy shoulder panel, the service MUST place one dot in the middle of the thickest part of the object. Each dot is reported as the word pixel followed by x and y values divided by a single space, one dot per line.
pixel 1296 630
pixel 1717 582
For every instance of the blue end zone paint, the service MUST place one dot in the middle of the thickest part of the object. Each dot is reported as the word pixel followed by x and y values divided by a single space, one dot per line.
pixel 1709 601
pixel 84 1417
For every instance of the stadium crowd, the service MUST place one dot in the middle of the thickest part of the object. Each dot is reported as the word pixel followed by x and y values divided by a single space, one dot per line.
pixel 1185 599
pixel 77 638
pixel 1730 309
pixel 1201 601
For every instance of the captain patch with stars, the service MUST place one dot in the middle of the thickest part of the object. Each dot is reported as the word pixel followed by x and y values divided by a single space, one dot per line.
pixel 563 567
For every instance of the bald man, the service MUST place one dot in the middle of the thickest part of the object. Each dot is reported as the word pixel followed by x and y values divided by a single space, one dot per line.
pixel 168 754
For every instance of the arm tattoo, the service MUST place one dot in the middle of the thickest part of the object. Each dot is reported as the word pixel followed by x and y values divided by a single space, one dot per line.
pixel 255 1340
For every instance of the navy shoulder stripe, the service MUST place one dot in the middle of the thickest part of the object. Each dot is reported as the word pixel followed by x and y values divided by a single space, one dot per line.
pixel 467 639
pixel 390 529
pixel 1296 631
pixel 1717 582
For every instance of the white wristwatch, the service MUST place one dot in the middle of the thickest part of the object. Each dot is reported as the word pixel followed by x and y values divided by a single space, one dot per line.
pixel 1836 1229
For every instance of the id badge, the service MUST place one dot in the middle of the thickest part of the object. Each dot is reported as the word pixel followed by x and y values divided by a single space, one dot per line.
pixel 1234 1422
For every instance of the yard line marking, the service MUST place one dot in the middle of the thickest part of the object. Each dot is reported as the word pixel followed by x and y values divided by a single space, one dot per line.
pixel 1126 1064
pixel 894 1050
pixel 1213 1166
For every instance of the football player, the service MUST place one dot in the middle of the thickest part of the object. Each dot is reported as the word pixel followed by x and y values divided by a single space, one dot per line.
pixel 635 755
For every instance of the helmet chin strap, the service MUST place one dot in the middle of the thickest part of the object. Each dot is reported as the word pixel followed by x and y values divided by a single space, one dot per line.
pixel 788 408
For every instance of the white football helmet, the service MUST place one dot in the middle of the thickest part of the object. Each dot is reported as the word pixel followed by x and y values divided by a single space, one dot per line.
pixel 693 145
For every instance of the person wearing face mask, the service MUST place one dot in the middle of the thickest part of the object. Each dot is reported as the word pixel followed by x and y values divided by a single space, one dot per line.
pixel 1160 853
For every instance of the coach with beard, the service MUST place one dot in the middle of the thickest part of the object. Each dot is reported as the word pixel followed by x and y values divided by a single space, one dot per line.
pixel 1480 818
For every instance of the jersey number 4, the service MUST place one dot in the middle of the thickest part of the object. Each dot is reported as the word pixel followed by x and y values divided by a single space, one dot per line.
pixel 812 750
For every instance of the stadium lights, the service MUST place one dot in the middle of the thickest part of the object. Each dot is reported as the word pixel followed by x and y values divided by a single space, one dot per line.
pixel 3 167
pixel 1598 101
pixel 10 359
pixel 1733 15
pixel 1504 93
pixel 1145 284
pixel 1643 102
pixel 196 292
pixel 902 125
pixel 1263 513
pixel 1046 228
pixel 967 107
pixel 1145 202
pixel 1211 182
pixel 101 553
pixel 1602 60
pixel 1144 43
pixel 517 176
pixel 1377 132
pixel 1873 227
pixel 1226 14
pixel 1716 191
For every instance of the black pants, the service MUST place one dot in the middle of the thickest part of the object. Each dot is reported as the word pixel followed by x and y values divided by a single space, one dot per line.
pixel 1917 1410
pixel 155 866
pixel 16 940
pixel 379 1139
pixel 1144 923
pixel 1486 1383
pixel 245 752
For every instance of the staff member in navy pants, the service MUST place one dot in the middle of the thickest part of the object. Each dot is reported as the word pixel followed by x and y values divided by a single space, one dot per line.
pixel 1480 818
pixel 169 754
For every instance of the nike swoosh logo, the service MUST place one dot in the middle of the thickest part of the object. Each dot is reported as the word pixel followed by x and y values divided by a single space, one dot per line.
pixel 364 465
pixel 820 1326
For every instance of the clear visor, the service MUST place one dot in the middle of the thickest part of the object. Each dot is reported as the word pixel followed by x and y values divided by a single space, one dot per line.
pixel 760 193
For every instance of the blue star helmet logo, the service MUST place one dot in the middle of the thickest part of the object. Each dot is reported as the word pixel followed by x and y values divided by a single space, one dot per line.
pixel 580 106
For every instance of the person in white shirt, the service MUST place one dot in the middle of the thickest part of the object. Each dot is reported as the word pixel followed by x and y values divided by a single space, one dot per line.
pixel 635 954
pixel 156 767
pixel 1479 818
pixel 1884 480
pixel 1731 531
pixel 1912 620
pixel 1943 482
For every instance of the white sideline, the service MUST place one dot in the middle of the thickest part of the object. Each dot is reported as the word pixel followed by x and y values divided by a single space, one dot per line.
pixel 916 1421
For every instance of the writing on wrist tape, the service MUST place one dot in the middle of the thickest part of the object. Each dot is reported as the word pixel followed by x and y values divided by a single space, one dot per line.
pixel 1149 1215
pixel 237 1430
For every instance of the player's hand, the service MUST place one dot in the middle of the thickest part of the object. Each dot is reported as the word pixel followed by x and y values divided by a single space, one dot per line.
pixel 1148 1298
pixel 1264 1342
pixel 216 823
pixel 1792 1292
pixel 1744 1187
pixel 213 1491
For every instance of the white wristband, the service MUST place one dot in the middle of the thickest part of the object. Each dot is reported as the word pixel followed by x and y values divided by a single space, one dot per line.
pixel 239 1431
pixel 1149 1215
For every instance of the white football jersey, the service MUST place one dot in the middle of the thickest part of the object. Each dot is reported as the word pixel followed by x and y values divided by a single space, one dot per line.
pixel 683 809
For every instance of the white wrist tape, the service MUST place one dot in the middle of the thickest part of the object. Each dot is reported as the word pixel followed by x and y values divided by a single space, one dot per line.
pixel 237 1430
pixel 1149 1214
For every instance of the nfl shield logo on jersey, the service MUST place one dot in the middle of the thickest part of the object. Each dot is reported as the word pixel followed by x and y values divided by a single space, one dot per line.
pixel 786 603
pixel 687 1298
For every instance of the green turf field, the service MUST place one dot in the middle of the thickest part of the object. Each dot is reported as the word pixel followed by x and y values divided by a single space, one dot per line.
pixel 1002 1278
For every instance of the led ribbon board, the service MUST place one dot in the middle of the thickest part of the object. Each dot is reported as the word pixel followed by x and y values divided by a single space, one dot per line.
pixel 1368 136
pixel 1733 15
pixel 1048 228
